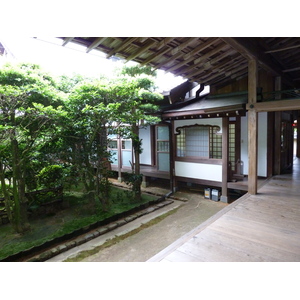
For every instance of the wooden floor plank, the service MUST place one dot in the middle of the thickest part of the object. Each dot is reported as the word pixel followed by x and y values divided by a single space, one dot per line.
pixel 247 250
pixel 267 235
pixel 288 220
pixel 262 227
pixel 180 256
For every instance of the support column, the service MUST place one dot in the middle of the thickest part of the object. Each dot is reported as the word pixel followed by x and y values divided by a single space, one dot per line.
pixel 119 143
pixel 298 135
pixel 172 143
pixel 225 158
pixel 277 132
pixel 252 126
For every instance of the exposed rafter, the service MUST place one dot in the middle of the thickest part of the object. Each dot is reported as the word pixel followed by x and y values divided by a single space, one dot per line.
pixel 121 46
pixel 252 50
pixel 212 60
pixel 96 43
pixel 67 40
pixel 141 50
pixel 190 56
pixel 282 49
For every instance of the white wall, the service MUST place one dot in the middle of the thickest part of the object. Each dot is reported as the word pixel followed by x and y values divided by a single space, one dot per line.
pixel 198 171
pixel 262 143
pixel 145 157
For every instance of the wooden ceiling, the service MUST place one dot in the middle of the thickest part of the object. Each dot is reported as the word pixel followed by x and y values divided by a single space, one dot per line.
pixel 207 60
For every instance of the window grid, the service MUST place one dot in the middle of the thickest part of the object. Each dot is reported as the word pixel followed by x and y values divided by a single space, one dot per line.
pixel 216 143
pixel 199 141
pixel 232 156
pixel 162 140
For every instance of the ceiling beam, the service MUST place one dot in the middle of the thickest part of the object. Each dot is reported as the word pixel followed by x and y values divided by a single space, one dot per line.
pixel 291 70
pixel 213 68
pixel 278 105
pixel 67 40
pixel 162 48
pixel 95 44
pixel 252 50
pixel 149 44
pixel 190 56
pixel 282 49
pixel 123 45
pixel 182 45
pixel 204 57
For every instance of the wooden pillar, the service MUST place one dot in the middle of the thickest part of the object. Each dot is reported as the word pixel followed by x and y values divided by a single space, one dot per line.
pixel 298 135
pixel 277 132
pixel 252 127
pixel 172 144
pixel 119 143
pixel 225 158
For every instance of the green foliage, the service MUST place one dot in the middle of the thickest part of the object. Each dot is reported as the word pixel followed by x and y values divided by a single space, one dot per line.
pixel 51 176
pixel 30 106
pixel 130 178
pixel 67 83
pixel 137 70
pixel 44 123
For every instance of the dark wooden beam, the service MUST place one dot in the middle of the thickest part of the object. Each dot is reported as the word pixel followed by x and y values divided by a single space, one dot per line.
pixel 253 50
pixel 96 43
pixel 121 46
pixel 282 49
pixel 149 44
pixel 277 105
pixel 190 56
pixel 161 49
pixel 67 40
pixel 201 59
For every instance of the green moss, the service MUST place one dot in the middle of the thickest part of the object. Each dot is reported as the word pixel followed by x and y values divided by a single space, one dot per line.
pixel 84 254
pixel 78 215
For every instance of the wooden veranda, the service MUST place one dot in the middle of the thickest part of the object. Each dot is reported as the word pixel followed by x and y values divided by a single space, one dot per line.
pixel 261 227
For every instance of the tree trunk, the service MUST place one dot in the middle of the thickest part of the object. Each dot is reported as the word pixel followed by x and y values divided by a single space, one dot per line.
pixel 20 216
pixel 103 166
pixel 6 194
pixel 136 185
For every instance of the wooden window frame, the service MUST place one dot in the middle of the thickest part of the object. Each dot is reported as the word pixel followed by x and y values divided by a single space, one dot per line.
pixel 202 159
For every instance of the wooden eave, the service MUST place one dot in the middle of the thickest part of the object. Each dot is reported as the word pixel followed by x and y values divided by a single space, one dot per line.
pixel 206 60
pixel 206 107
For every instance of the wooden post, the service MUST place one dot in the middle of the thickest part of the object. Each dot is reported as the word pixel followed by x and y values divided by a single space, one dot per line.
pixel 252 127
pixel 173 181
pixel 298 135
pixel 119 147
pixel 225 158
pixel 277 132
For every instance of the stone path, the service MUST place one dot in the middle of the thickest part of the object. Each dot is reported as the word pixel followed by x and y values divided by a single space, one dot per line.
pixel 143 245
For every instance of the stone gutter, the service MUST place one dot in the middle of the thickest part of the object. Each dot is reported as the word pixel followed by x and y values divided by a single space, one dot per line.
pixel 61 244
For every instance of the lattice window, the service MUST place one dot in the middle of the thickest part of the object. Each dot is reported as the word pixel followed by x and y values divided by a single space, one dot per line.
pixel 215 143
pixel 232 138
pixel 199 141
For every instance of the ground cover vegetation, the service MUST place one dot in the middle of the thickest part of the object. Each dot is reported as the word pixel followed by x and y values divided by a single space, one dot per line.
pixel 53 134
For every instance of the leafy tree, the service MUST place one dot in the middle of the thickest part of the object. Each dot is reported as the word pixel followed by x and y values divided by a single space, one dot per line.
pixel 67 83
pixel 85 135
pixel 29 105
pixel 135 100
